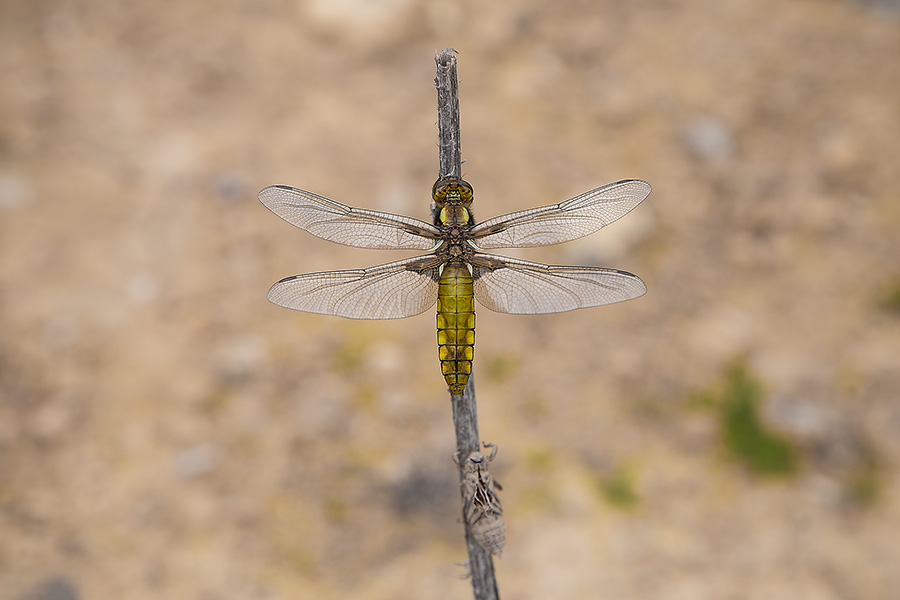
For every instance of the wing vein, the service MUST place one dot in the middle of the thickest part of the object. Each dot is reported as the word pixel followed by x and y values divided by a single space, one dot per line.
pixel 515 286
pixel 391 291
pixel 563 222
pixel 336 222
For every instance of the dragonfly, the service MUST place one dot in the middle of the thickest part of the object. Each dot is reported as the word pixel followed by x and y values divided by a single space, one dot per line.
pixel 456 269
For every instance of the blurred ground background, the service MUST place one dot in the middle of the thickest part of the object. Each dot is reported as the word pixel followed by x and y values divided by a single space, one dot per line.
pixel 167 433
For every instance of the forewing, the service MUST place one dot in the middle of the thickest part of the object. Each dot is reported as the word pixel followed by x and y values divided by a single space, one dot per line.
pixel 346 225
pixel 392 291
pixel 520 287
pixel 563 222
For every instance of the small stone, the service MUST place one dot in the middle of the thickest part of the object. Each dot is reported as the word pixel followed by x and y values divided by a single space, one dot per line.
pixel 196 461
pixel 709 139
pixel 53 588
pixel 14 192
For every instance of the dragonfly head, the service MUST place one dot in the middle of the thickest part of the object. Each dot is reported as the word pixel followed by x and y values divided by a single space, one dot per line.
pixel 454 197
pixel 452 191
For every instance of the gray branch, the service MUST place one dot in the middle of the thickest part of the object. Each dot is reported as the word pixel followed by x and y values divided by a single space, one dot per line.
pixel 465 412
pixel 447 84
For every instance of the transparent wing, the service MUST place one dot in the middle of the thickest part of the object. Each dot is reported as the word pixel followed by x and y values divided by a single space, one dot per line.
pixel 563 222
pixel 346 225
pixel 392 291
pixel 520 287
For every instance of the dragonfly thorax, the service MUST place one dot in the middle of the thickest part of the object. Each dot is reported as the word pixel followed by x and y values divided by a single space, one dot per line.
pixel 454 215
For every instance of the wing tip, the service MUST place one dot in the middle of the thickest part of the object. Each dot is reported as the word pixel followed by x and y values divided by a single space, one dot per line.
pixel 640 182
pixel 641 287
pixel 642 290
pixel 264 193
pixel 272 295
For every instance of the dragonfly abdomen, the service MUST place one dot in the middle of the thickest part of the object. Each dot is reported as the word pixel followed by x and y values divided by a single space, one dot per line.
pixel 456 325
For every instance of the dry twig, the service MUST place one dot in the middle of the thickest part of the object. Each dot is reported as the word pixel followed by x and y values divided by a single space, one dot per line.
pixel 465 413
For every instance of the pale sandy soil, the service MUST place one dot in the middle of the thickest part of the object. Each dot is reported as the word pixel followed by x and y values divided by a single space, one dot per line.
pixel 167 433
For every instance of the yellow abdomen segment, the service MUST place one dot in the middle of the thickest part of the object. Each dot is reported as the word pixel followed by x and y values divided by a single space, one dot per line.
pixel 456 325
